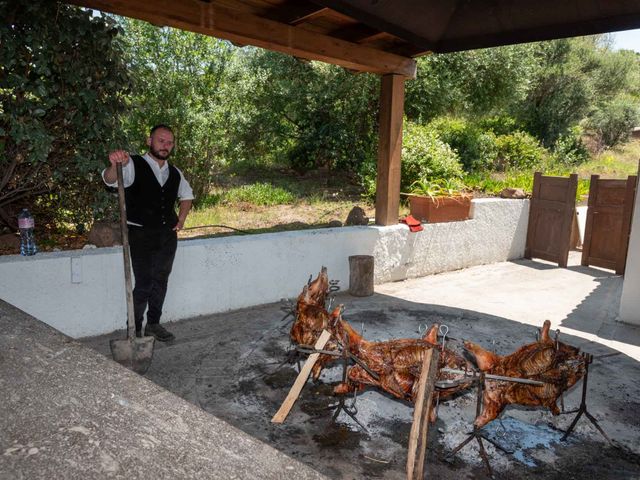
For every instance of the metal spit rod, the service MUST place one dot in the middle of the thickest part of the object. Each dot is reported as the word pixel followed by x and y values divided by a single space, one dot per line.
pixel 494 377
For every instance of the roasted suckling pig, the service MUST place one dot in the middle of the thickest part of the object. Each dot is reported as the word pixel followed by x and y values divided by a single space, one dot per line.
pixel 312 317
pixel 556 364
pixel 397 364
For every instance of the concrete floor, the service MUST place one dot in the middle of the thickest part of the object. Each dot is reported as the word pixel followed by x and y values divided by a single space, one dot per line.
pixel 231 365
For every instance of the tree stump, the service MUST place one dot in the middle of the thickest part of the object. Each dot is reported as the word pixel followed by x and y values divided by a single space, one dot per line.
pixel 361 275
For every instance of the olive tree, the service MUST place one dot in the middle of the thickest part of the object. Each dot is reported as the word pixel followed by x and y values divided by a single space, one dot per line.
pixel 62 82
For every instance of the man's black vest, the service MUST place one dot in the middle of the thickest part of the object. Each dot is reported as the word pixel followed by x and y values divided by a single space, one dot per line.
pixel 148 203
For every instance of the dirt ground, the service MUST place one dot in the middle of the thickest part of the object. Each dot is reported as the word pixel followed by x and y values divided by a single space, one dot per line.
pixel 234 366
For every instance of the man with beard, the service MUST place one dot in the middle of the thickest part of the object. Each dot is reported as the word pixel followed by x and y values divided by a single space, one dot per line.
pixel 152 186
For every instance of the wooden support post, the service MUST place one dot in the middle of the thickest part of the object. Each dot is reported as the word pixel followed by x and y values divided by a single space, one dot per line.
pixel 389 149
pixel 293 394
pixel 420 425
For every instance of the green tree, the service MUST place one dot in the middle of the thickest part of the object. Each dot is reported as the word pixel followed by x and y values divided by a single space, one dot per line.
pixel 574 80
pixel 473 84
pixel 303 114
pixel 179 79
pixel 62 84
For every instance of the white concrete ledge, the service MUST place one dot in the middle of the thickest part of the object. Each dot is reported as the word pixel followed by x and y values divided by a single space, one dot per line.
pixel 81 292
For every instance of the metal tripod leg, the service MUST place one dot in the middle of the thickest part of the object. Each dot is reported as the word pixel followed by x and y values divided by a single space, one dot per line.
pixel 476 432
pixel 341 407
pixel 588 358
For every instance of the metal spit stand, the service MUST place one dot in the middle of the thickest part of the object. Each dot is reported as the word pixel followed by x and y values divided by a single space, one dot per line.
pixel 476 431
pixel 588 359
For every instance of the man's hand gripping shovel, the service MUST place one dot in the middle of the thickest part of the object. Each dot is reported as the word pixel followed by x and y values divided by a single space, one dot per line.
pixel 134 353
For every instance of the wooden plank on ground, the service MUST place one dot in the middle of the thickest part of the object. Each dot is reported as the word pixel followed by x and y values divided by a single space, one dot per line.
pixel 420 425
pixel 293 394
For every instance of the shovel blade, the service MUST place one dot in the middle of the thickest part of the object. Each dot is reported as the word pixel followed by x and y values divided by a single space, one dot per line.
pixel 135 354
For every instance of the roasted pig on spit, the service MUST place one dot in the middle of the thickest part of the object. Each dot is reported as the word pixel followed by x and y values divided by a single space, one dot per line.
pixel 312 317
pixel 396 364
pixel 556 364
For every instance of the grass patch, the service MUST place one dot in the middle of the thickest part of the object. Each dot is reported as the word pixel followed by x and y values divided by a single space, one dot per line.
pixel 493 183
pixel 263 194
pixel 204 216
pixel 619 162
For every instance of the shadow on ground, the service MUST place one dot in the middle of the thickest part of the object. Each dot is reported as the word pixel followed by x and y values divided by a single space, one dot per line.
pixel 233 365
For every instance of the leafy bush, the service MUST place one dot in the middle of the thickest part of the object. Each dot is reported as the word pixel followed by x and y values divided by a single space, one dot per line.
pixel 260 194
pixel 424 155
pixel 569 149
pixel 62 82
pixel 613 121
pixel 498 124
pixel 476 148
pixel 518 150
pixel 211 200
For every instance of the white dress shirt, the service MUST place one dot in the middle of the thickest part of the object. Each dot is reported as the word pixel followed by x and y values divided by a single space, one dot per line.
pixel 162 175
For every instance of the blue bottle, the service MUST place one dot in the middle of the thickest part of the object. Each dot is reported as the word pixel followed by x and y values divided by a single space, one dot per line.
pixel 26 225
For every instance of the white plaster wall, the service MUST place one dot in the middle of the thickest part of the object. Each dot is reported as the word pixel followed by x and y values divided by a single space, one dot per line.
pixel 630 300
pixel 81 292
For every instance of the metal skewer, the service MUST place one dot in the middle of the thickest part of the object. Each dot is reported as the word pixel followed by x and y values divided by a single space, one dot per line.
pixel 493 377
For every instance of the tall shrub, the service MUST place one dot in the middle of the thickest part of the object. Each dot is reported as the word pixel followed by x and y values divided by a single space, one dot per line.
pixel 612 121
pixel 424 155
pixel 475 147
pixel 518 150
pixel 62 82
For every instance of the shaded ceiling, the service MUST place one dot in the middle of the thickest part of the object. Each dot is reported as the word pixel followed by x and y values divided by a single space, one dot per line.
pixel 452 25
pixel 380 36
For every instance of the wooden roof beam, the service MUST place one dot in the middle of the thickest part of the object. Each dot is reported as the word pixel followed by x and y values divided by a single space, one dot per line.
pixel 244 28
pixel 353 33
pixel 295 12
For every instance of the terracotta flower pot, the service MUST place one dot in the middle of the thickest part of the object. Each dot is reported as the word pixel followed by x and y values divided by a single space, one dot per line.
pixel 440 209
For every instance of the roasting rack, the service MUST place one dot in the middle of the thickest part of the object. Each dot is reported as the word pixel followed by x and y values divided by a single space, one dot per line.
pixel 475 434
pixel 588 359
pixel 350 409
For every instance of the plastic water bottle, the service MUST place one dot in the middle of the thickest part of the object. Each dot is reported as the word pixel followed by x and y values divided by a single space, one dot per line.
pixel 26 225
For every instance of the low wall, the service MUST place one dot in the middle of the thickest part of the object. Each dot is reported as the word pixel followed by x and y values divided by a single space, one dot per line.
pixel 81 292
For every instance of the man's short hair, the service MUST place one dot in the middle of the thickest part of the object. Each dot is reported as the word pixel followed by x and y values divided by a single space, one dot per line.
pixel 161 126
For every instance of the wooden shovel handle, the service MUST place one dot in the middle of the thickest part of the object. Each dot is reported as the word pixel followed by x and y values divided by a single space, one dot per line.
pixel 124 230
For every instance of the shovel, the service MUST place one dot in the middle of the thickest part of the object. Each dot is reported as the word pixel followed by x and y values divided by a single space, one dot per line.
pixel 132 352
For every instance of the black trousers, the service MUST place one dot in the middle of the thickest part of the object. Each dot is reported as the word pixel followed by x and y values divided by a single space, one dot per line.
pixel 152 254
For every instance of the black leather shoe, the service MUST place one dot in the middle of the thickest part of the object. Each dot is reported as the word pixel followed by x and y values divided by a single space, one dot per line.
pixel 159 332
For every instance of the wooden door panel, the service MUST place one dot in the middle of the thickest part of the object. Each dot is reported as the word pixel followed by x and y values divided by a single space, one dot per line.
pixel 550 218
pixel 608 222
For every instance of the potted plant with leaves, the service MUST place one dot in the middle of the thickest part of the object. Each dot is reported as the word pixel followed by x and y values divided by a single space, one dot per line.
pixel 444 200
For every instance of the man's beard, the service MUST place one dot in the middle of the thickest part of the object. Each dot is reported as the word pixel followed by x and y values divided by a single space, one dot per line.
pixel 160 155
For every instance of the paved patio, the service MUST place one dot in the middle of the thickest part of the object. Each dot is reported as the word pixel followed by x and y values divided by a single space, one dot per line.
pixel 233 366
